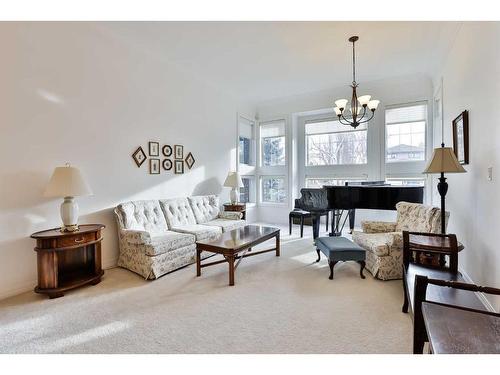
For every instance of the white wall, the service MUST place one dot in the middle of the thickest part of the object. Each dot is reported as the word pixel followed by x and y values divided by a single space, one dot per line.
pixel 391 91
pixel 72 93
pixel 471 77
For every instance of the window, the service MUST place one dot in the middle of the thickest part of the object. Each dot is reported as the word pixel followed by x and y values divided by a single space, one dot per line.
pixel 272 136
pixel 317 182
pixel 331 143
pixel 273 189
pixel 247 192
pixel 405 133
pixel 246 144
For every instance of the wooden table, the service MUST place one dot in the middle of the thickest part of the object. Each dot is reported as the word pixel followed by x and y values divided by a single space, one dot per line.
pixel 238 207
pixel 453 330
pixel 236 245
pixel 68 260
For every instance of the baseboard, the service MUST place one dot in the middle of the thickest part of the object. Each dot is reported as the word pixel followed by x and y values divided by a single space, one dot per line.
pixel 481 296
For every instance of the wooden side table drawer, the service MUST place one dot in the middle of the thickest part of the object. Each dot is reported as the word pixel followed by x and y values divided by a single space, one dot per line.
pixel 77 239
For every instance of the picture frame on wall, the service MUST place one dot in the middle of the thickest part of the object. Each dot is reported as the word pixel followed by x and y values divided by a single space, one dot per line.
pixel 166 150
pixel 154 148
pixel 190 160
pixel 461 137
pixel 139 156
pixel 179 166
pixel 167 164
pixel 179 151
pixel 154 166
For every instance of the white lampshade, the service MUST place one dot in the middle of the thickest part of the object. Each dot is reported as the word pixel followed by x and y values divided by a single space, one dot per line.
pixel 233 180
pixel 363 100
pixel 373 104
pixel 67 182
pixel 337 111
pixel 341 103
pixel 444 160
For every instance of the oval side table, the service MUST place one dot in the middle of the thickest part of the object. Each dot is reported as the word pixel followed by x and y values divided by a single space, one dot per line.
pixel 68 260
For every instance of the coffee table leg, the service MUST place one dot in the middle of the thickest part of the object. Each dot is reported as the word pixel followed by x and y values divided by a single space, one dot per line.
pixel 198 262
pixel 278 245
pixel 230 260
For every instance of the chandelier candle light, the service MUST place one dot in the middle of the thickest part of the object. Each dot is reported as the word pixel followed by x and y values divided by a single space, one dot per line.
pixel 358 104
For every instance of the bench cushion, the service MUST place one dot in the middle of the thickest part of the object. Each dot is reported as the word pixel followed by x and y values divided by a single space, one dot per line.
pixel 340 248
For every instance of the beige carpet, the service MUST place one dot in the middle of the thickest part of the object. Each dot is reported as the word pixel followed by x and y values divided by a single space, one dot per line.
pixel 279 305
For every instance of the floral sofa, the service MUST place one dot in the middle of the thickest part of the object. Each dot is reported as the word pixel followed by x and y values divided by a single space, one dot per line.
pixel 159 236
pixel 383 241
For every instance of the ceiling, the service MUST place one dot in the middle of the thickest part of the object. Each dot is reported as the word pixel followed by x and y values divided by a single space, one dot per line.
pixel 263 60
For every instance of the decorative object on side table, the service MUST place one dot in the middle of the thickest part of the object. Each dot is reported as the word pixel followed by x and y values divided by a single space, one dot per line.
pixel 443 161
pixel 139 156
pixel 67 182
pixel 68 260
pixel 461 137
pixel 233 180
pixel 239 207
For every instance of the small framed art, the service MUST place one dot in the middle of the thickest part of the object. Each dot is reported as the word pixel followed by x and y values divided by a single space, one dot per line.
pixel 154 149
pixel 166 150
pixel 139 156
pixel 179 151
pixel 179 166
pixel 461 137
pixel 167 164
pixel 154 166
pixel 190 160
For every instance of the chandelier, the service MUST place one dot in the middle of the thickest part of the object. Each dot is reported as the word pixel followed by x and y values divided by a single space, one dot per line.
pixel 359 105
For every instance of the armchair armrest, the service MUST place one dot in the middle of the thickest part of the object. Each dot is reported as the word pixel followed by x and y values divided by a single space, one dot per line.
pixel 378 226
pixel 136 237
pixel 230 215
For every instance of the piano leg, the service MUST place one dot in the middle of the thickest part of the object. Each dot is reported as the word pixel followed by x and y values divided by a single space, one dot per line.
pixel 315 224
pixel 352 217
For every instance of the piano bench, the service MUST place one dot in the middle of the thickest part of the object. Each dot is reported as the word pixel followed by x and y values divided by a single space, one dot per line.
pixel 338 249
pixel 298 214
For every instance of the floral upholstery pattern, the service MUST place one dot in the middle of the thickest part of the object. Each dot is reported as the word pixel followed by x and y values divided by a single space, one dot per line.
pixel 156 244
pixel 177 212
pixel 157 237
pixel 383 241
pixel 205 208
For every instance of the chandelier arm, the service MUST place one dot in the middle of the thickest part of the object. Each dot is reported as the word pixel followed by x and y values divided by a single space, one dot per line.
pixel 347 122
pixel 368 119
pixel 343 122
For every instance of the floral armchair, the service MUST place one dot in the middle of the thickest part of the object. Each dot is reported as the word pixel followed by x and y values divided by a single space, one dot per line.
pixel 383 241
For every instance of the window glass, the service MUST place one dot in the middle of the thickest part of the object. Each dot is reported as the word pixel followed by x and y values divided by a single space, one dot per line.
pixel 247 191
pixel 246 144
pixel 318 182
pixel 273 189
pixel 272 137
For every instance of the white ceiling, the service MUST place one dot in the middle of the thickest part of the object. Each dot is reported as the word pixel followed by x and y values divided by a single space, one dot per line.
pixel 265 60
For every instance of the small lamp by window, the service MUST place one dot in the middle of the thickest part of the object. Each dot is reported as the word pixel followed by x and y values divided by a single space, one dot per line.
pixel 233 180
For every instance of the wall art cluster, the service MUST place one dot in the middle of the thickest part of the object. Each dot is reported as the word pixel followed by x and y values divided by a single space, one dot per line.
pixel 172 158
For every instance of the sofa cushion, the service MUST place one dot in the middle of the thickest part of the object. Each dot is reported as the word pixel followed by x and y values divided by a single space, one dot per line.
pixel 158 243
pixel 226 225
pixel 373 242
pixel 177 212
pixel 205 207
pixel 142 215
pixel 202 232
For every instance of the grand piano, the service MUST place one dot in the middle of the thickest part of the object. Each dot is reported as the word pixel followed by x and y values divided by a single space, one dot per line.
pixel 376 195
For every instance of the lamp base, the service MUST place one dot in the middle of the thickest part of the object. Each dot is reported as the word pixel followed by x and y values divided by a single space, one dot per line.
pixel 69 215
pixel 233 196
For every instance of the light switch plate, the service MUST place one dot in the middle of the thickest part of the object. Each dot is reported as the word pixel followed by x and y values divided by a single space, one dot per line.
pixel 490 173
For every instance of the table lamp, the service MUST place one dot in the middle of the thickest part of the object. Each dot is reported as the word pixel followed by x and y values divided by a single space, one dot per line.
pixel 67 182
pixel 233 180
pixel 443 161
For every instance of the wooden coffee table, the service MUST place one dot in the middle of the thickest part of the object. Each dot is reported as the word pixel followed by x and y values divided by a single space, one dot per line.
pixel 236 245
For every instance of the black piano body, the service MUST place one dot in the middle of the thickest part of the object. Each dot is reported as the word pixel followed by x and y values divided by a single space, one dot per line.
pixel 374 195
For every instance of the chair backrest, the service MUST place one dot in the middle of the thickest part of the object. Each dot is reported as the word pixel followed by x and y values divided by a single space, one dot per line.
pixel 177 212
pixel 143 215
pixel 416 243
pixel 416 217
pixel 205 207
